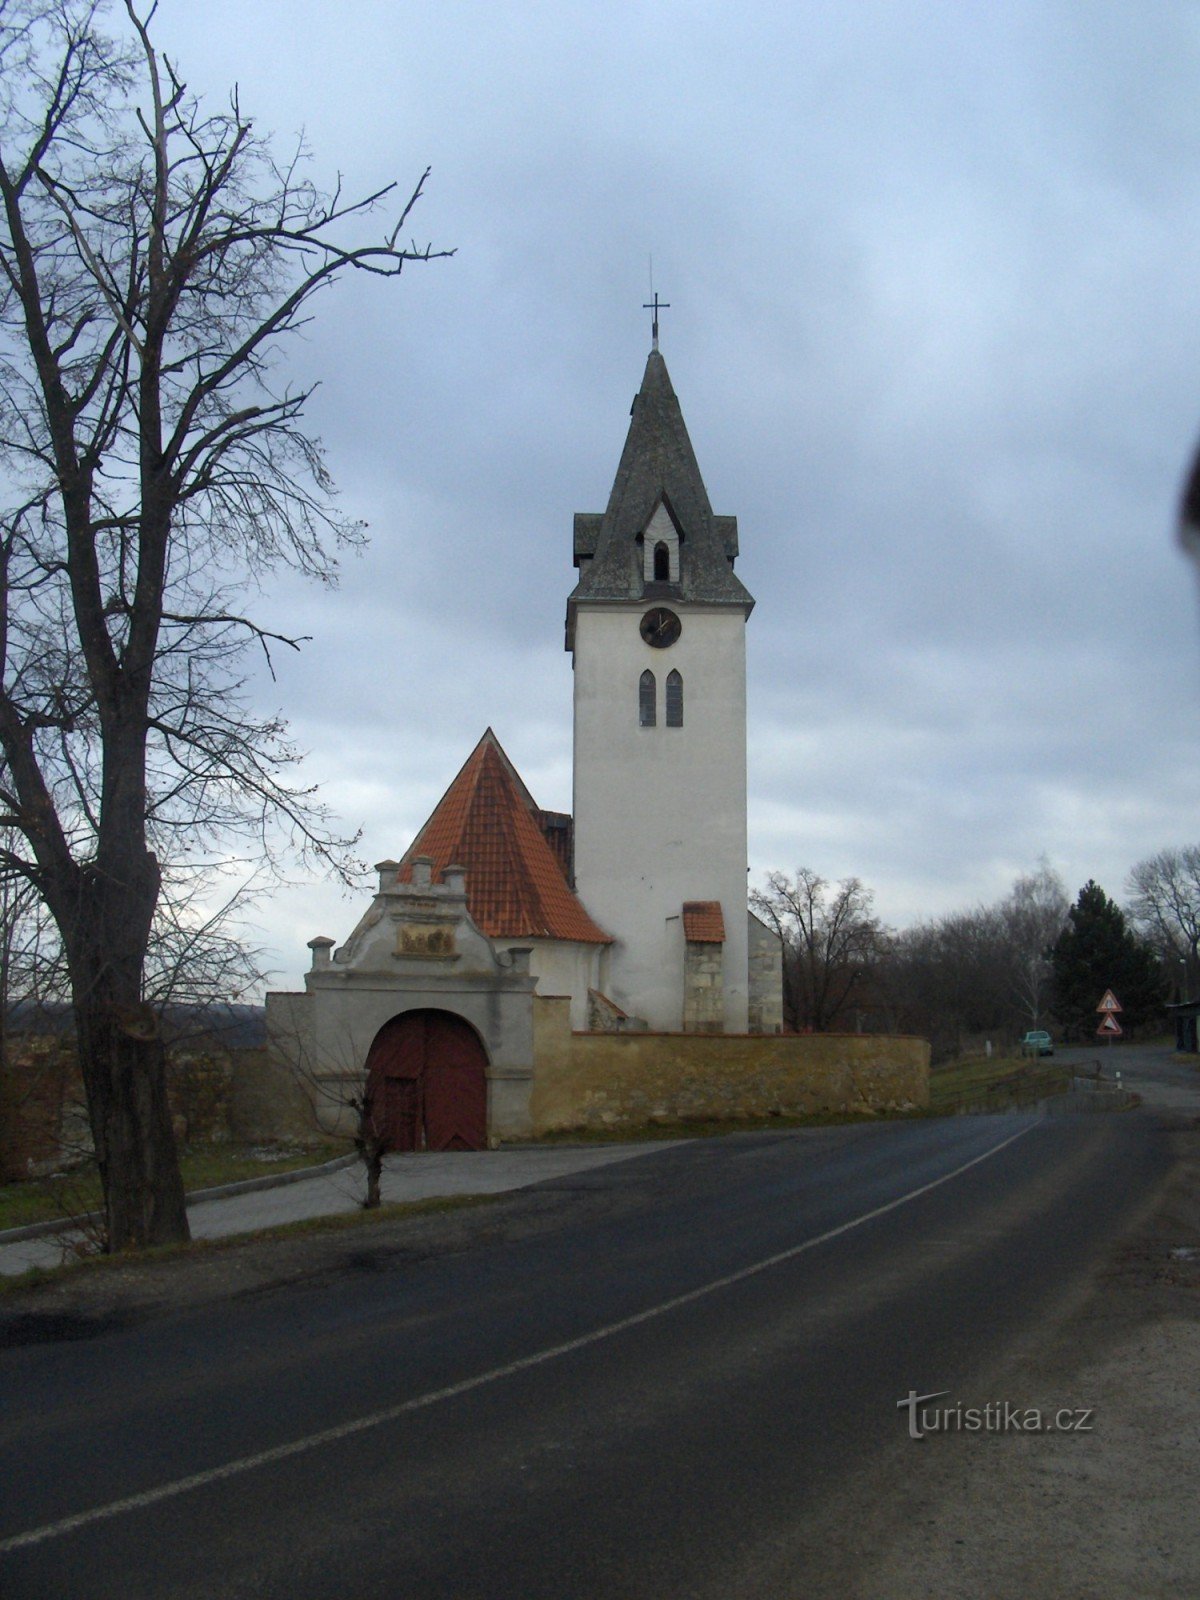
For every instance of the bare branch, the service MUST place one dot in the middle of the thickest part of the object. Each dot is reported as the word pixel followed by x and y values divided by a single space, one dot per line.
pixel 153 260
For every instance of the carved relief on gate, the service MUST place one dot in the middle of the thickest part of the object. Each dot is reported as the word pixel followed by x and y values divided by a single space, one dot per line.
pixel 425 942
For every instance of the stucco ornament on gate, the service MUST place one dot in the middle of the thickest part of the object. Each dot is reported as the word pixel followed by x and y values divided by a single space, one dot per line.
pixel 415 947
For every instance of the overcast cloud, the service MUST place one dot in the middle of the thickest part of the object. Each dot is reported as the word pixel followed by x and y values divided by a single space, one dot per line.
pixel 933 271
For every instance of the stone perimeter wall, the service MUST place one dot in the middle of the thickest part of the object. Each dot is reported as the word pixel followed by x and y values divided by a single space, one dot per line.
pixel 584 1080
pixel 580 1080
pixel 216 1094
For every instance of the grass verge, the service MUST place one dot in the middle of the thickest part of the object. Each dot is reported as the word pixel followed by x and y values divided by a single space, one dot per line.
pixel 74 1193
pixel 713 1127
pixel 996 1082
pixel 196 1249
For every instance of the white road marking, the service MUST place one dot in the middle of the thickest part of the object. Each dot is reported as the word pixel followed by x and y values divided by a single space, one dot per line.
pixel 378 1419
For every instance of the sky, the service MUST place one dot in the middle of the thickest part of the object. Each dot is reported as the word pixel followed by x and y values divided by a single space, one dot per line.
pixel 934 283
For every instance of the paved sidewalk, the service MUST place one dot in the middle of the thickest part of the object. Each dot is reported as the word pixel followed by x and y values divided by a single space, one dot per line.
pixel 411 1177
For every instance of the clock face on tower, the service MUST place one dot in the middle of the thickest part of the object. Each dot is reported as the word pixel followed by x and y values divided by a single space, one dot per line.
pixel 660 627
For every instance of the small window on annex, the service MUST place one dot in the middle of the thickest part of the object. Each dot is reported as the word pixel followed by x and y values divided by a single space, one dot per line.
pixel 647 696
pixel 674 700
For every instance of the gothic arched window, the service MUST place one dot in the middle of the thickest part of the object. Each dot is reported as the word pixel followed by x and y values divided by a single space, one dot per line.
pixel 662 563
pixel 647 695
pixel 674 700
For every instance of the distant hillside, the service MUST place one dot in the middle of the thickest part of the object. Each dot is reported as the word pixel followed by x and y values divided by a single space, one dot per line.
pixel 237 1026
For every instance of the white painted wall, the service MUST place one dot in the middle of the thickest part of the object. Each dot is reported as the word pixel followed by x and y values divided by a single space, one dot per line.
pixel 563 967
pixel 660 813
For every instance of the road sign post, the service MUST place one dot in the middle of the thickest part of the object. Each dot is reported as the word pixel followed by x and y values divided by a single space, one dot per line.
pixel 1109 1028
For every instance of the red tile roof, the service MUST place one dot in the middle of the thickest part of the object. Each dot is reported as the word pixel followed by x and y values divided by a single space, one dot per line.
pixel 703 922
pixel 487 823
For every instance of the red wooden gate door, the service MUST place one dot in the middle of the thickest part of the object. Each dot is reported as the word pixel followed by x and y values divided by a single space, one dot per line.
pixel 427 1082
pixel 455 1084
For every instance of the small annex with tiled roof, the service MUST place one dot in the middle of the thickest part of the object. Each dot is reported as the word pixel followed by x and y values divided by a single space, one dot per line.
pixel 518 892
pixel 703 966
pixel 703 922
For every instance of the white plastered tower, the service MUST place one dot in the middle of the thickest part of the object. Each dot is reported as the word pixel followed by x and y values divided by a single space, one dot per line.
pixel 656 628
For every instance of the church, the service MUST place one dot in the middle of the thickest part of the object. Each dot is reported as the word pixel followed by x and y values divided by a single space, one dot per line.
pixel 634 904
pixel 521 969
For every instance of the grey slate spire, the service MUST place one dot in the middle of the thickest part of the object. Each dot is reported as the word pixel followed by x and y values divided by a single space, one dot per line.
pixel 657 464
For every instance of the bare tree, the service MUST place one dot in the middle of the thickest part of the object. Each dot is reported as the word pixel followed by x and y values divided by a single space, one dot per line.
pixel 831 942
pixel 947 979
pixel 153 255
pixel 1031 919
pixel 986 970
pixel 199 977
pixel 1164 903
pixel 343 1096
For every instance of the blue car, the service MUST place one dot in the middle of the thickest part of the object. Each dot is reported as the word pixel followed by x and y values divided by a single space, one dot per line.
pixel 1037 1043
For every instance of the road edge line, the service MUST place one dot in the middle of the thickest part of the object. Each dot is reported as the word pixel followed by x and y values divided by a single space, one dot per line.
pixel 378 1419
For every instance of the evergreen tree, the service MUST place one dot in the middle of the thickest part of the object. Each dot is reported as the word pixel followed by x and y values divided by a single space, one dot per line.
pixel 1098 950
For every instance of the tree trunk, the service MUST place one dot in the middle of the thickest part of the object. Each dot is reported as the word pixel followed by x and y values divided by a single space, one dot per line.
pixel 372 1143
pixel 105 928
pixel 374 1164
pixel 124 1072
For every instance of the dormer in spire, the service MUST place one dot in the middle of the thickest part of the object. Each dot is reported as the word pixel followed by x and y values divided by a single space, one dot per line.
pixel 658 477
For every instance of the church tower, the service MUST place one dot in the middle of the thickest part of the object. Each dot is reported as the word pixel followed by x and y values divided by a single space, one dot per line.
pixel 656 627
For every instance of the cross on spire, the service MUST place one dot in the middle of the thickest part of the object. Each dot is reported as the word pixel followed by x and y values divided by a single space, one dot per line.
pixel 656 305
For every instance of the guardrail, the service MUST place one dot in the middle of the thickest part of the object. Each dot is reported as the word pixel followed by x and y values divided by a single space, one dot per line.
pixel 1090 1091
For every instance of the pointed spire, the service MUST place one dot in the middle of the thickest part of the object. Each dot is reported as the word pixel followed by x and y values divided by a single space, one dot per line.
pixel 657 465
pixel 658 461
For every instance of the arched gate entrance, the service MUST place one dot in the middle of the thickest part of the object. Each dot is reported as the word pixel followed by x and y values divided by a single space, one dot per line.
pixel 427 1083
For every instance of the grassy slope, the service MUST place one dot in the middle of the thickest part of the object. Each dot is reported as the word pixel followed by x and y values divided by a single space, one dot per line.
pixel 1002 1080
pixel 204 1167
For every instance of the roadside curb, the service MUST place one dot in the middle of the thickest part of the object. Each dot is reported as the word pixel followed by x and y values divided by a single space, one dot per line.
pixel 270 1180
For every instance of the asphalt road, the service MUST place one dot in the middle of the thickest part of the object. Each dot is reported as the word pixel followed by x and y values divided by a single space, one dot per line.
pixel 677 1376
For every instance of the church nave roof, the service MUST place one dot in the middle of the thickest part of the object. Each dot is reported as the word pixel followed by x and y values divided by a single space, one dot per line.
pixel 487 823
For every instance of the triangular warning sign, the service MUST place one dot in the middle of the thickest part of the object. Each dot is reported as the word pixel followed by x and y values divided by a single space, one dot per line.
pixel 1110 1003
pixel 1109 1025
